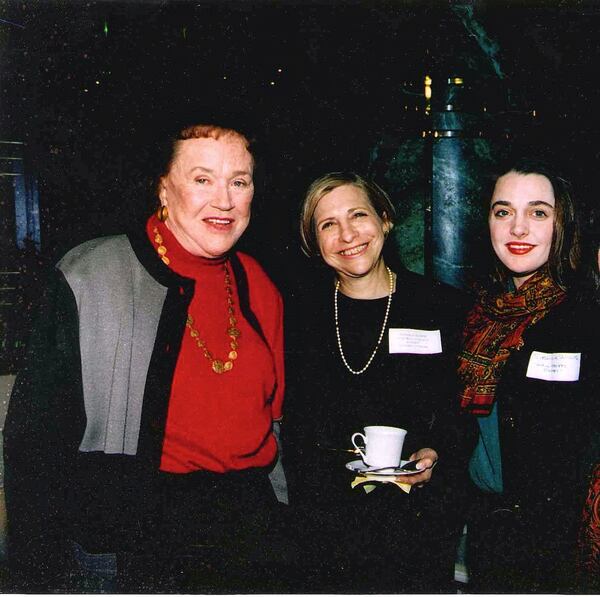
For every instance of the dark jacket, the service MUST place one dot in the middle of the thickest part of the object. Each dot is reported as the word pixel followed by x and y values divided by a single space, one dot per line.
pixel 545 426
pixel 55 491
pixel 325 404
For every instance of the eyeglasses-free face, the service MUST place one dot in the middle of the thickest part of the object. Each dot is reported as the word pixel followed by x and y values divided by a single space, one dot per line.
pixel 208 191
pixel 350 233
pixel 521 221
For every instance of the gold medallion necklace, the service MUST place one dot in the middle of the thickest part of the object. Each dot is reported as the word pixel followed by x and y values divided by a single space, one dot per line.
pixel 218 365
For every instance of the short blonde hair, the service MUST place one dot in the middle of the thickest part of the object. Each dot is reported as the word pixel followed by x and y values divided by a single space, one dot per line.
pixel 376 196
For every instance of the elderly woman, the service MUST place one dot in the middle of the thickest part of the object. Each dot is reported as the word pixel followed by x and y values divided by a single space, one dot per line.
pixel 370 345
pixel 527 366
pixel 143 419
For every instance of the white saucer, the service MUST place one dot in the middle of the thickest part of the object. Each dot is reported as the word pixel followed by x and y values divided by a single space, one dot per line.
pixel 358 466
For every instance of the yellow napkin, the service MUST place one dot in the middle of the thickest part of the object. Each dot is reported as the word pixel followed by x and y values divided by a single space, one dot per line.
pixel 369 482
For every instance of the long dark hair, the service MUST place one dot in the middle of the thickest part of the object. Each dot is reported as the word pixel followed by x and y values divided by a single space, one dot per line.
pixel 564 257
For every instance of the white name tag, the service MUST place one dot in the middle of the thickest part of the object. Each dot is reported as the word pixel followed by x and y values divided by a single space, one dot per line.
pixel 415 341
pixel 554 366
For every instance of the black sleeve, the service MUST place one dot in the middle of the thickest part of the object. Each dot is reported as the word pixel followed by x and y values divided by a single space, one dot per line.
pixel 453 434
pixel 293 430
pixel 42 431
pixel 455 431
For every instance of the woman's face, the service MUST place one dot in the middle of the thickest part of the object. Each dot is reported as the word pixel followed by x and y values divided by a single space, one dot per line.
pixel 521 220
pixel 208 192
pixel 350 233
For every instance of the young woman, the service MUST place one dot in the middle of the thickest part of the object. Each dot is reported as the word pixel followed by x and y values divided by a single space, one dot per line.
pixel 527 366
pixel 370 344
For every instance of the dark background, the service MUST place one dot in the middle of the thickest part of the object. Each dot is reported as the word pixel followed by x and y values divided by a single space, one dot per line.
pixel 89 86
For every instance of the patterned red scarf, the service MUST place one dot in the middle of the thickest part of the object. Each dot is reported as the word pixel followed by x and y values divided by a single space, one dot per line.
pixel 588 552
pixel 494 328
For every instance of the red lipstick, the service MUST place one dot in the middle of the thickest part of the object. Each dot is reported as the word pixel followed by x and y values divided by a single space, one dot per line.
pixel 519 248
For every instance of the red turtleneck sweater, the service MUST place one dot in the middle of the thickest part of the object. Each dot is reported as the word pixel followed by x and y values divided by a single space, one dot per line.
pixel 223 422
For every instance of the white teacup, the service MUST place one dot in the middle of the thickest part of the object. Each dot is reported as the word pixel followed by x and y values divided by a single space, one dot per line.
pixel 382 445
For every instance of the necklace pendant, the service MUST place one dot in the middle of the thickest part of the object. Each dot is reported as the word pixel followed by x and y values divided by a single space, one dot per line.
pixel 233 332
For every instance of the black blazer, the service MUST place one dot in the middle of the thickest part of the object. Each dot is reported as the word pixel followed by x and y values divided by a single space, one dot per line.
pixel 545 426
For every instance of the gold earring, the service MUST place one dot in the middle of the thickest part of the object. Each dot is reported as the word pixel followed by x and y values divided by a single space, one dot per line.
pixel 162 213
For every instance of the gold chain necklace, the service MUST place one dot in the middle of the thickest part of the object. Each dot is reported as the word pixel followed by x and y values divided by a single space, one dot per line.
pixel 337 327
pixel 218 366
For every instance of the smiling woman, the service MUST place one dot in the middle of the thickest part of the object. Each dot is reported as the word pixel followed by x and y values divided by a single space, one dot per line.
pixel 208 191
pixel 529 369
pixel 522 223
pixel 142 431
pixel 350 234
pixel 371 344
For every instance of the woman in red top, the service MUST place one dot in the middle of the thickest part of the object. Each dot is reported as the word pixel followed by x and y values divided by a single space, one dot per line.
pixel 141 433
pixel 205 207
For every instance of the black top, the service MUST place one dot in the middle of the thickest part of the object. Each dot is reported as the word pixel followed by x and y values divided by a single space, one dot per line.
pixel 546 430
pixel 326 403
pixel 545 426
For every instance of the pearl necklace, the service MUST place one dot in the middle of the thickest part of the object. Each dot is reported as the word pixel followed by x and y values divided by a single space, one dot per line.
pixel 337 327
